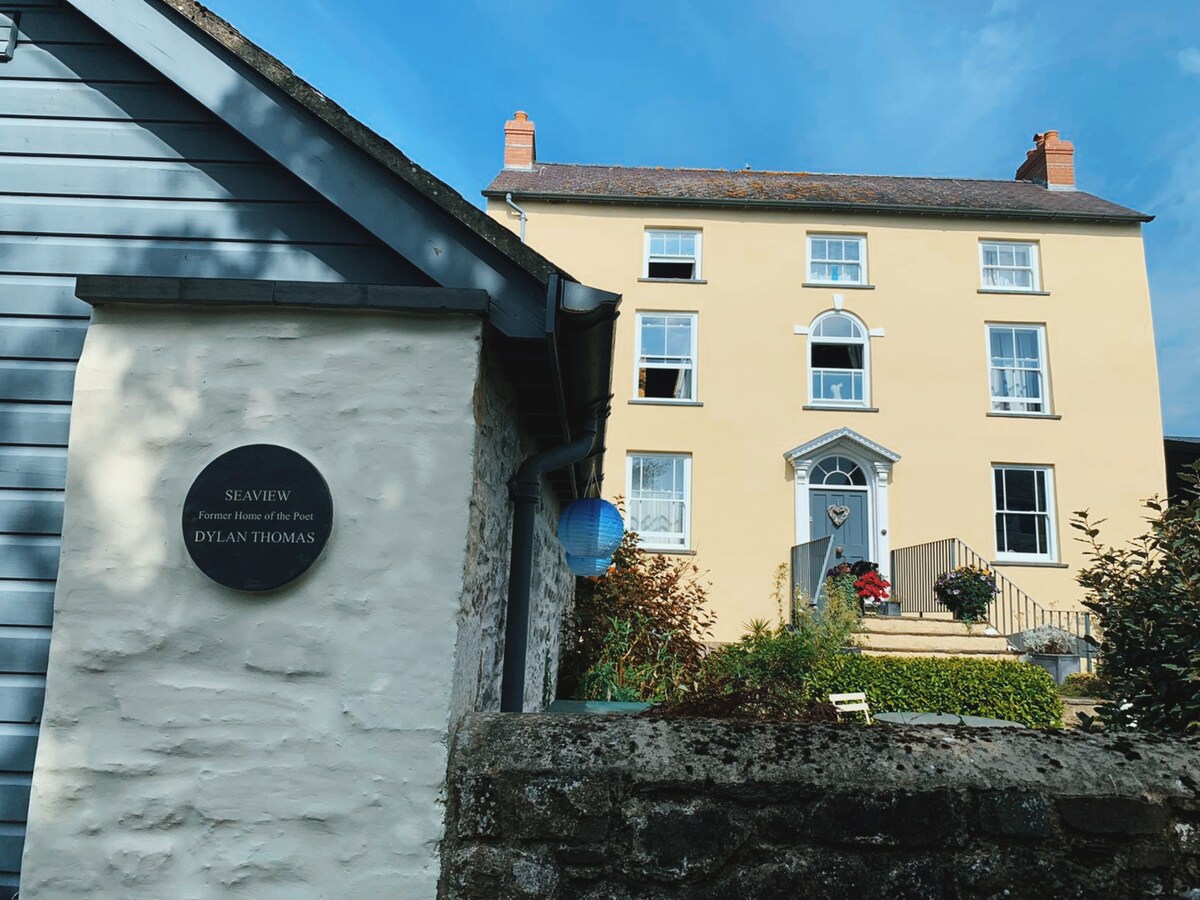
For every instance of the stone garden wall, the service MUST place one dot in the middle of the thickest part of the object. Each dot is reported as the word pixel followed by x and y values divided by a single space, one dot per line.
pixel 617 807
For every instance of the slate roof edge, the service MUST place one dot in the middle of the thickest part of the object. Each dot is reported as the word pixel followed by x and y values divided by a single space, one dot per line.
pixel 367 140
pixel 105 290
pixel 964 212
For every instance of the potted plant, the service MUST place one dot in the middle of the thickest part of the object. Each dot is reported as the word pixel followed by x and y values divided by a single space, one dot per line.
pixel 1053 650
pixel 872 589
pixel 966 592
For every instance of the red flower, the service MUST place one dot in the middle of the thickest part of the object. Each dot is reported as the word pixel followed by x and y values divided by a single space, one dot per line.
pixel 872 586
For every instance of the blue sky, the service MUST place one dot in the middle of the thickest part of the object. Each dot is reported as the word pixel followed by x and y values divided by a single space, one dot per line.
pixel 908 87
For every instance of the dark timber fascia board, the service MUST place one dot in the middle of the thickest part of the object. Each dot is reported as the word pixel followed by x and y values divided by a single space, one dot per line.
pixel 102 290
pixel 958 212
pixel 358 171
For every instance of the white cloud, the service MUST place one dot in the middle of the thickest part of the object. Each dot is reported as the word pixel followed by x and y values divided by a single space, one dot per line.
pixel 1189 60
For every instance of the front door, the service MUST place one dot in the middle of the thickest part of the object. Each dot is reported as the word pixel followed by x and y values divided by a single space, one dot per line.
pixel 843 514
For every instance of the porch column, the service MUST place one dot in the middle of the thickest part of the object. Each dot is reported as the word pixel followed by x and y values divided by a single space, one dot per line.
pixel 883 475
pixel 803 523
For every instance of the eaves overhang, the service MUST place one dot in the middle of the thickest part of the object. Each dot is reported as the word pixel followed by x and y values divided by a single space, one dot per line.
pixel 957 212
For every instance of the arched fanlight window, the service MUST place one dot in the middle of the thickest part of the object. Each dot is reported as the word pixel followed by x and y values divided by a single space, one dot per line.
pixel 838 471
pixel 838 361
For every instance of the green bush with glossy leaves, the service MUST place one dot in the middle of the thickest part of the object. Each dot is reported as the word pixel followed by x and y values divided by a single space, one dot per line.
pixel 1147 595
pixel 995 689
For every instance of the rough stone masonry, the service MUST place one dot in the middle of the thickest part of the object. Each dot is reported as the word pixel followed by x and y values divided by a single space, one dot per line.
pixel 616 807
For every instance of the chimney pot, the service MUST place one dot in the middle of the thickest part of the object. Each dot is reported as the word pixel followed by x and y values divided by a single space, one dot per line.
pixel 1051 163
pixel 520 146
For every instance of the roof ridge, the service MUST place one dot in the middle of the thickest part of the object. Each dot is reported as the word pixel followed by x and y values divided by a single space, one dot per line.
pixel 701 169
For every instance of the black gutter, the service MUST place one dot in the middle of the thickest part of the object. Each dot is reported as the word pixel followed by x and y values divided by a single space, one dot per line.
pixel 526 491
pixel 828 206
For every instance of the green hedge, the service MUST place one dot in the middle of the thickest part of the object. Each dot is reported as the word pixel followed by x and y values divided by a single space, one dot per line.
pixel 998 689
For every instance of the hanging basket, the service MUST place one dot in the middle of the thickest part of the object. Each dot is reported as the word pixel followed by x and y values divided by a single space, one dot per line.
pixel 591 528
pixel 588 566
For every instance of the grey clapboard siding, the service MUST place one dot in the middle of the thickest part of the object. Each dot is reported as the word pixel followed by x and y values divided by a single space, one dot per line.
pixel 39 468
pixel 169 258
pixel 40 295
pixel 27 338
pixel 36 380
pixel 293 223
pixel 123 140
pixel 145 103
pixel 23 651
pixel 78 62
pixel 181 179
pixel 14 796
pixel 18 746
pixel 27 603
pixel 49 25
pixel 22 424
pixel 105 168
pixel 22 696
pixel 12 841
pixel 30 512
pixel 26 558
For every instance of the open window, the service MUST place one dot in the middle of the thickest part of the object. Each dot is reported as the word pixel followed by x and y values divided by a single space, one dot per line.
pixel 672 255
pixel 666 357
pixel 838 361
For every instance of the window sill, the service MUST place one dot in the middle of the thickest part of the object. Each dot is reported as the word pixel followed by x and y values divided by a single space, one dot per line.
pixel 843 408
pixel 1031 563
pixel 1021 415
pixel 838 284
pixel 667 551
pixel 651 401
pixel 675 280
pixel 1019 293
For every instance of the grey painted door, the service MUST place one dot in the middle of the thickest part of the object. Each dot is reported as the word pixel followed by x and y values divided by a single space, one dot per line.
pixel 852 535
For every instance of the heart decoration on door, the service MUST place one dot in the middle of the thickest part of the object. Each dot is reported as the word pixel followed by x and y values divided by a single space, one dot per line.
pixel 838 515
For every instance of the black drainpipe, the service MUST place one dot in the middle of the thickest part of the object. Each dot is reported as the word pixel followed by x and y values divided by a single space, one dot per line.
pixel 526 490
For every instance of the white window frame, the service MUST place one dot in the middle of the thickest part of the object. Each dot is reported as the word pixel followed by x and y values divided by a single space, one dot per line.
pixel 649 543
pixel 1035 267
pixel 1051 554
pixel 865 402
pixel 1043 370
pixel 637 356
pixel 860 239
pixel 696 258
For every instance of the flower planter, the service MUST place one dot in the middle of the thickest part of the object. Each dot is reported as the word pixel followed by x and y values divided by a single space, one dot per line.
pixel 889 608
pixel 1059 665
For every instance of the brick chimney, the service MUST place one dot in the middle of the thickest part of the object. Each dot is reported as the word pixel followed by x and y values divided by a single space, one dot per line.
pixel 1051 163
pixel 520 148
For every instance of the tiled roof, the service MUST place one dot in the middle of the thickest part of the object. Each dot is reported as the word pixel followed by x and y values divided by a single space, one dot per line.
pixel 876 193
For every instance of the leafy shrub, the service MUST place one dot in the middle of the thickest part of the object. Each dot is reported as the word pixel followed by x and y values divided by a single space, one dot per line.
pixel 762 675
pixel 645 617
pixel 634 663
pixel 966 592
pixel 833 626
pixel 1147 596
pixel 1083 684
pixel 998 689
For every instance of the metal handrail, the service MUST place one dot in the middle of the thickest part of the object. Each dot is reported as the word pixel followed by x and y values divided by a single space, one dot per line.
pixel 1012 610
pixel 810 562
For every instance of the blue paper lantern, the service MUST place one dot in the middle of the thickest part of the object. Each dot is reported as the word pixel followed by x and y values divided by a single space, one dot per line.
pixel 591 527
pixel 588 566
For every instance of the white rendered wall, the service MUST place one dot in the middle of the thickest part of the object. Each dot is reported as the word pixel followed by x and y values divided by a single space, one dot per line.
pixel 200 743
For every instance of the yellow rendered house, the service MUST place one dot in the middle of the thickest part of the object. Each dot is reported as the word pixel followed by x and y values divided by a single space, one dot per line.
pixel 932 372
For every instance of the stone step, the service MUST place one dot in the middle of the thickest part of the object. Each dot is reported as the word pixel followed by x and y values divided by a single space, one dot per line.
pixel 945 643
pixel 916 625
